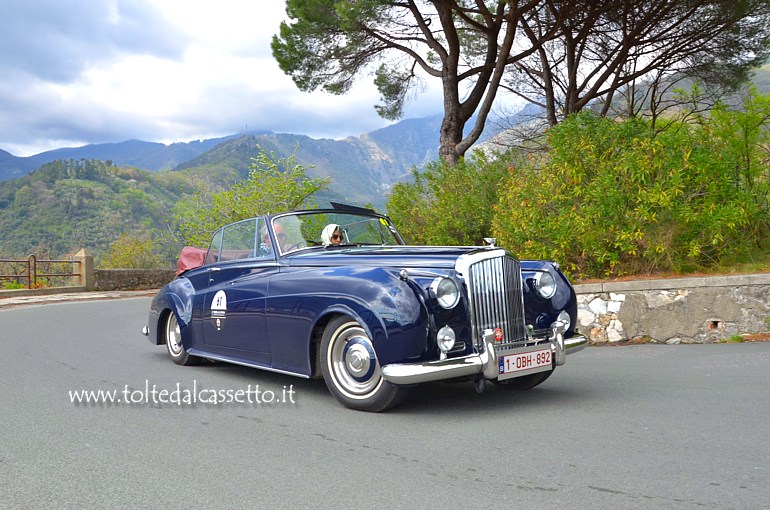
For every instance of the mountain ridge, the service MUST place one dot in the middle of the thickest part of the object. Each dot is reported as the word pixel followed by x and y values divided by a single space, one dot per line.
pixel 420 133
pixel 361 169
pixel 142 154
pixel 414 134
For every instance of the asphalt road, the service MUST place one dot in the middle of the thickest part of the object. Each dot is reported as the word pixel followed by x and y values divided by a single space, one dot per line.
pixel 617 427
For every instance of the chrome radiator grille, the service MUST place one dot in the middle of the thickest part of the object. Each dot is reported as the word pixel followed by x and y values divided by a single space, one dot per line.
pixel 494 287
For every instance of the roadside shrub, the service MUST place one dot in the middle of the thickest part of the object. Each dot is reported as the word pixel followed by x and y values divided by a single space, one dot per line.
pixel 448 205
pixel 612 198
pixel 133 251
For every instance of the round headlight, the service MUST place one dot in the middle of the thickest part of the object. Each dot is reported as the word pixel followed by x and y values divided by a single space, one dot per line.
pixel 445 339
pixel 565 319
pixel 545 284
pixel 446 292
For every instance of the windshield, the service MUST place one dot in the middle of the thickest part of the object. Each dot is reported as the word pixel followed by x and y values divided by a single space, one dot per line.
pixel 330 229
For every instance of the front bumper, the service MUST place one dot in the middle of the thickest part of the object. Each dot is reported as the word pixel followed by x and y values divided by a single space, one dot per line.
pixel 484 363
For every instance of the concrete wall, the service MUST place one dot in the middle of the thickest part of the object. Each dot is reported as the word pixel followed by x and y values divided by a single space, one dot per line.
pixel 685 310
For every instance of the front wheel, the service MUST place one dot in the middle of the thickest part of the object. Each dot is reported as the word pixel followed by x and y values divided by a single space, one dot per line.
pixel 173 336
pixel 351 370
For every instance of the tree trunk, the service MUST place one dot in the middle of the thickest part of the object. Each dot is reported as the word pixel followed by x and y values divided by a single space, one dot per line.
pixel 451 134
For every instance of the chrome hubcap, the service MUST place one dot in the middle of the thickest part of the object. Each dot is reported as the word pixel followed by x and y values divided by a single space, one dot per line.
pixel 173 335
pixel 358 360
pixel 353 362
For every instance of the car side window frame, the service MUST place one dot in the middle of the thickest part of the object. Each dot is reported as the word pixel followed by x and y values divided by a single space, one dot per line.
pixel 238 240
pixel 249 245
pixel 215 247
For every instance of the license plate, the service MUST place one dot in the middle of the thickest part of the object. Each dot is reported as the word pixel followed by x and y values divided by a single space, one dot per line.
pixel 524 362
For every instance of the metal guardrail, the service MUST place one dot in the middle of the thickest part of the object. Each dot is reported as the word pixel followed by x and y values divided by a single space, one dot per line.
pixel 36 272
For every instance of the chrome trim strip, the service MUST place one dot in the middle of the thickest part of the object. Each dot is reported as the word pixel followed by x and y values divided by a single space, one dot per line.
pixel 235 361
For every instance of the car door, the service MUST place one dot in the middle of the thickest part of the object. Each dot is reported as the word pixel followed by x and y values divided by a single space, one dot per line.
pixel 234 322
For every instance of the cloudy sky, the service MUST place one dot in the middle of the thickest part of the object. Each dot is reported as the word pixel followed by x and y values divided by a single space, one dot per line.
pixel 91 71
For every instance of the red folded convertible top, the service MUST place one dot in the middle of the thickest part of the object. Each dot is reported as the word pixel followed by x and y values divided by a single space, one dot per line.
pixel 190 258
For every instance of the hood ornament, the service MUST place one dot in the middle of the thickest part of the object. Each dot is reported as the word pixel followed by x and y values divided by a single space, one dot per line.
pixel 490 242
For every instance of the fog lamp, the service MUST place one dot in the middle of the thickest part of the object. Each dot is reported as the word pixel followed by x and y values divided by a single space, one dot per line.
pixel 445 339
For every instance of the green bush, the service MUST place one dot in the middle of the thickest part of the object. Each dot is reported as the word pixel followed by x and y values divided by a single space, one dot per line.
pixel 133 251
pixel 612 198
pixel 448 205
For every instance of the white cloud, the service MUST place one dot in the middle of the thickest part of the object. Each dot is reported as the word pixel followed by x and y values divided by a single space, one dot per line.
pixel 82 72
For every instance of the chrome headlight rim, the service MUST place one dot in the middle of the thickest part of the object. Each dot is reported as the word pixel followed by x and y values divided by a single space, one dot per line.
pixel 545 284
pixel 445 291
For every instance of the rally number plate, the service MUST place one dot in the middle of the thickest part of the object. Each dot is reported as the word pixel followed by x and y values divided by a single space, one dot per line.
pixel 524 362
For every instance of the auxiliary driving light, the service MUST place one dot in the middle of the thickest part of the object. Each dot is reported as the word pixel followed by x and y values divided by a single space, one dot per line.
pixel 445 339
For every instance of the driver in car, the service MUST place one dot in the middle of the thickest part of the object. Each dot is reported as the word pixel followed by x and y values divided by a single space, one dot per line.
pixel 280 235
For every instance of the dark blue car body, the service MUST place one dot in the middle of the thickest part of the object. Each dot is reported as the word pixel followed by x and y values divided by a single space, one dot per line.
pixel 365 315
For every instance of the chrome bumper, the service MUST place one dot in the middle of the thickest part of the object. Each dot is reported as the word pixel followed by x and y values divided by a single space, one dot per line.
pixel 484 363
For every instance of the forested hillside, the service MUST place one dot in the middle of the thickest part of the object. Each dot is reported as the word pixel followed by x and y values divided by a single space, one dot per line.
pixel 67 205
pixel 86 202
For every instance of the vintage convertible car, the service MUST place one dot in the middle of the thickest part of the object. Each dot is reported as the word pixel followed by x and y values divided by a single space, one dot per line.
pixel 335 293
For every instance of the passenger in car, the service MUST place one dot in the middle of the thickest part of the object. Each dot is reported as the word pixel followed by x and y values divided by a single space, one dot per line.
pixel 331 235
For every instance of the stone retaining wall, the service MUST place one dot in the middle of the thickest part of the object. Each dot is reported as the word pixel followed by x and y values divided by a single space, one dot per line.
pixel 685 310
pixel 131 279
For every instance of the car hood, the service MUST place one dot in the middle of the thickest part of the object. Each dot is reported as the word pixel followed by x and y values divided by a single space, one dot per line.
pixel 394 256
pixel 381 256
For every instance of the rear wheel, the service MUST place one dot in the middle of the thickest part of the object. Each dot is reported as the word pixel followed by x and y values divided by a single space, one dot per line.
pixel 351 370
pixel 174 345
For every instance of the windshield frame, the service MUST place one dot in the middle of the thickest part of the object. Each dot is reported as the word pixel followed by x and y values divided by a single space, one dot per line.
pixel 302 229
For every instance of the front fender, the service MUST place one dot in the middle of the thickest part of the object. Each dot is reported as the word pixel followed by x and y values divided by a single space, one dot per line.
pixel 388 308
pixel 395 313
pixel 543 312
pixel 395 336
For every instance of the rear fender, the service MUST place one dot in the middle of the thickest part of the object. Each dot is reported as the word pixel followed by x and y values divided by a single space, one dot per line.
pixel 176 298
